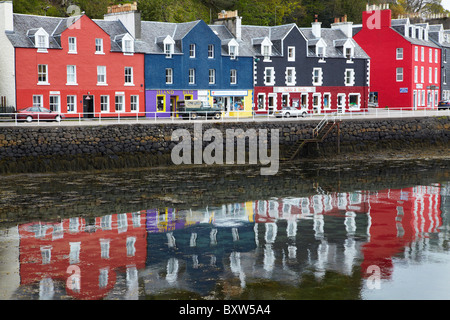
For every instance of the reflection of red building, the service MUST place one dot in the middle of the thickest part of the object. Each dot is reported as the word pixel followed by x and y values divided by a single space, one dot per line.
pixel 398 218
pixel 95 252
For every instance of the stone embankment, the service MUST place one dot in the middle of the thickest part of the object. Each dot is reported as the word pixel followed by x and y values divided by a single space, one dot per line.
pixel 62 148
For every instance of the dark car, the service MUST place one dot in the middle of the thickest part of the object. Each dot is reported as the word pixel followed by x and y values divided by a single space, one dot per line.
pixel 444 104
pixel 192 109
pixel 37 113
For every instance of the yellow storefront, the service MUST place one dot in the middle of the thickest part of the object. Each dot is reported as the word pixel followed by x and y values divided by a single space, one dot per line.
pixel 234 103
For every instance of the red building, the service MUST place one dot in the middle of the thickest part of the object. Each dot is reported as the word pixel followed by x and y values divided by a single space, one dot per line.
pixel 405 64
pixel 85 257
pixel 77 66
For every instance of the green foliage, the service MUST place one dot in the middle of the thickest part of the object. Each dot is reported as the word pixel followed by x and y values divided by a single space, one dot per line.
pixel 253 12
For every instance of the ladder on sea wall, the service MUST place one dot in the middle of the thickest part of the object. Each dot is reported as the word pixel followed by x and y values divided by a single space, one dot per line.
pixel 320 132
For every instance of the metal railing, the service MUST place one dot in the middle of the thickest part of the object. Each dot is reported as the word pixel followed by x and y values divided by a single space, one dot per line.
pixel 236 116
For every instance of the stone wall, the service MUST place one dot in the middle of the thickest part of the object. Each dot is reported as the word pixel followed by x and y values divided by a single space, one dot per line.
pixel 48 149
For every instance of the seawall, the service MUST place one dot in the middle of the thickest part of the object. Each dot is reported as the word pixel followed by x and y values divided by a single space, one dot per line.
pixel 70 148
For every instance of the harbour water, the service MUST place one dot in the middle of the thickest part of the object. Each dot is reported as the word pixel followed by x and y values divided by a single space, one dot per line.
pixel 354 231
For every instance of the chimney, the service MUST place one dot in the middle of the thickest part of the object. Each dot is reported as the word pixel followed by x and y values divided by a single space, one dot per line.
pixel 377 17
pixel 232 21
pixel 344 26
pixel 128 15
pixel 316 28
pixel 6 16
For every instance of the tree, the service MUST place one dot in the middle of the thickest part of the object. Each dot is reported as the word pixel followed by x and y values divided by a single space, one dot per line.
pixel 422 6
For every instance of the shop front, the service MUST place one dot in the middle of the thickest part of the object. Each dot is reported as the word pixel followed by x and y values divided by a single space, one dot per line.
pixel 163 103
pixel 234 103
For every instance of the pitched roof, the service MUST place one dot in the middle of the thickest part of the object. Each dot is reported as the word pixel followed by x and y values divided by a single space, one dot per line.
pixel 399 26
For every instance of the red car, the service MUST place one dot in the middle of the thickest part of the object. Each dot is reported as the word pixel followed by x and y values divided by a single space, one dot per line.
pixel 37 113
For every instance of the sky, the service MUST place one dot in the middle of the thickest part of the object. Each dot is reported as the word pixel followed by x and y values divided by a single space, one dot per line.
pixel 446 4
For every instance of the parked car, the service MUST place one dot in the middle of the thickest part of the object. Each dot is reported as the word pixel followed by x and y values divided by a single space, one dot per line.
pixel 192 109
pixel 444 104
pixel 290 112
pixel 35 113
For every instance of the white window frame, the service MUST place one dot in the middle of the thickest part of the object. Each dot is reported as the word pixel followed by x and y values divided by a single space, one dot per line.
pixel 41 40
pixel 399 54
pixel 191 76
pixel 416 53
pixel 422 52
pixel 436 75
pixel 52 104
pixel 104 103
pixel 129 76
pixel 326 94
pixel 101 76
pixel 430 74
pixel 233 76
pixel 319 77
pixel 359 101
pixel 192 50
pixel 212 76
pixel 349 77
pixel 269 76
pixel 71 75
pixel 399 74
pixel 291 54
pixel 233 51
pixel 169 76
pixel 416 74
pixel 422 75
pixel 71 102
pixel 290 76
pixel 43 74
pixel 436 56
pixel 72 42
pixel 430 53
pixel 119 101
pixel 210 51
pixel 319 101
pixel 38 100
pixel 134 105
pixel 99 46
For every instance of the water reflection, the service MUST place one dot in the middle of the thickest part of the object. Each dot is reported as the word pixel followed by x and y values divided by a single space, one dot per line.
pixel 227 251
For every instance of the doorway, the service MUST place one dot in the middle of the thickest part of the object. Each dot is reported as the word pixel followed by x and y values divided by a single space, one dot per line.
pixel 88 106
pixel 173 105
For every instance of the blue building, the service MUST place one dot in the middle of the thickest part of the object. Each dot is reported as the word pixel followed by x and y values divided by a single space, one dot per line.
pixel 190 61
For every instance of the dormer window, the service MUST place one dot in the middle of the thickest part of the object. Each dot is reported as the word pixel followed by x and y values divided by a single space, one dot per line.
pixel 169 46
pixel 348 53
pixel 40 39
pixel 266 49
pixel 233 49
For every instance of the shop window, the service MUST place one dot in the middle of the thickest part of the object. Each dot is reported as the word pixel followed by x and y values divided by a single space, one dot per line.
pixel 304 100
pixel 316 102
pixel 261 101
pixel 160 103
pixel 354 100
pixel 326 100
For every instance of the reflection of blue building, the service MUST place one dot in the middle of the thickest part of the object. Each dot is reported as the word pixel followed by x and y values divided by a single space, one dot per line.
pixel 197 255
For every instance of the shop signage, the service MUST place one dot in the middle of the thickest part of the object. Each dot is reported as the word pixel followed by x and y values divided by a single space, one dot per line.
pixel 293 89
pixel 228 93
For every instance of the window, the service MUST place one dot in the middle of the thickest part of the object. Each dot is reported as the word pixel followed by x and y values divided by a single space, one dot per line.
pixel 349 77
pixel 192 51
pixel 120 103
pixel 169 76
pixel 326 101
pixel 72 75
pixel 72 45
pixel 42 74
pixel 291 53
pixel 348 53
pixel 168 50
pixel 290 76
pixel 430 55
pixel 316 101
pixel 212 76
pixel 444 55
pixel 160 103
pixel 416 53
pixel 128 46
pixel 430 75
pixel 37 101
pixel 134 103
pixel 129 76
pixel 210 51
pixel 304 100
pixel 42 42
pixel 399 53
pixel 354 100
pixel 423 97
pixel 266 52
pixel 269 76
pixel 191 76
pixel 233 52
pixel 444 76
pixel 399 74
pixel 317 76
pixel 436 75
pixel 422 75
pixel 233 76
pixel 416 75
pixel 422 52
pixel 320 51
pixel 101 75
pixel 99 46
pixel 436 56
pixel 104 103
pixel 71 103
pixel 54 103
